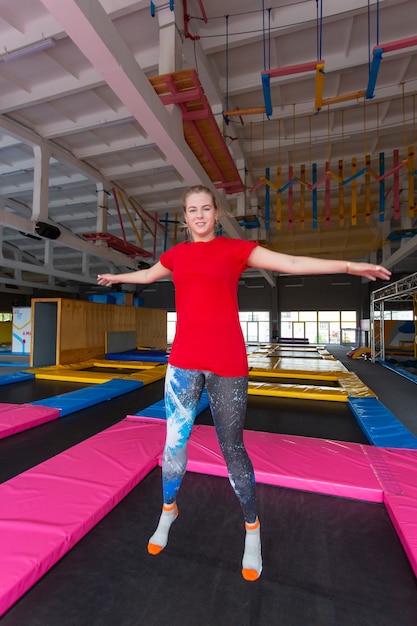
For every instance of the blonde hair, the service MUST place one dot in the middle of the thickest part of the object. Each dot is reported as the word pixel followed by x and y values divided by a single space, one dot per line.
pixel 199 189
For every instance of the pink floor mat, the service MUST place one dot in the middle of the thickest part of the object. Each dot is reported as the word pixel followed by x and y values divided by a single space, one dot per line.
pixel 46 510
pixel 15 418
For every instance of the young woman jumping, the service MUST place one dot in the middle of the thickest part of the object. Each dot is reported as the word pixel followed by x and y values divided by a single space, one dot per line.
pixel 205 272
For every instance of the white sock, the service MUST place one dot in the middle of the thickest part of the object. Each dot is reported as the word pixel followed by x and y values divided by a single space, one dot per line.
pixel 159 539
pixel 252 556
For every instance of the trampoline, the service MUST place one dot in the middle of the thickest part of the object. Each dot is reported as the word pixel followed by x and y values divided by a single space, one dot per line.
pixel 338 572
pixel 301 417
pixel 99 371
pixel 339 564
pixel 326 560
pixel 31 447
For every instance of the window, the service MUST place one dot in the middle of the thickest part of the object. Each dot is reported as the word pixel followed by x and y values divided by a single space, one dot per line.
pixel 320 326
pixel 255 326
pixel 171 325
pixel 395 315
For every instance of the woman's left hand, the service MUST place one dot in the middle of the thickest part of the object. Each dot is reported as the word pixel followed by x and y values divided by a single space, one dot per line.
pixel 368 270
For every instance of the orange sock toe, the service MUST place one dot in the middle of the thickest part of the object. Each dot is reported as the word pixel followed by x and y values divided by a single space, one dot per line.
pixel 153 548
pixel 250 574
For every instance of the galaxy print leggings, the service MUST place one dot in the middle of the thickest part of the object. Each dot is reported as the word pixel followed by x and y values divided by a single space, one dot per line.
pixel 228 398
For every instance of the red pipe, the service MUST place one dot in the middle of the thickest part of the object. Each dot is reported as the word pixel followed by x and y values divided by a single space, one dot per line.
pixel 292 69
pixel 393 171
pixel 319 182
pixel 186 21
pixel 256 186
pixel 120 215
pixel 398 45
pixel 203 13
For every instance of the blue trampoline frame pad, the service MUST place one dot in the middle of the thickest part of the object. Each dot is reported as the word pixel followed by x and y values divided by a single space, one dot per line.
pixel 89 396
pixel 15 377
pixel 152 356
pixel 380 426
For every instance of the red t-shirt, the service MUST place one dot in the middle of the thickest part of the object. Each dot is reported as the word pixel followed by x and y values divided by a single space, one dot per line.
pixel 208 335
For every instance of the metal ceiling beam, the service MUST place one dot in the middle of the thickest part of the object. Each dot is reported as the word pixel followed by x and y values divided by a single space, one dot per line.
pixel 24 225
pixel 409 247
pixel 93 32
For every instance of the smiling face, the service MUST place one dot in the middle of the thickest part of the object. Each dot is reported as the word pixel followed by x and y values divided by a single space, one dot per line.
pixel 200 214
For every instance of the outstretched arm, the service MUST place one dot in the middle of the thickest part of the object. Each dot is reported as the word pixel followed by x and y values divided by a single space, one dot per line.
pixel 262 258
pixel 142 277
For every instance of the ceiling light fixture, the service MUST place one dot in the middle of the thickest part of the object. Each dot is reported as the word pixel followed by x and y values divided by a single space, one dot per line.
pixel 38 46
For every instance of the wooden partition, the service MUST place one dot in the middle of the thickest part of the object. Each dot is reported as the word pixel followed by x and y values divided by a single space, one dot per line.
pixel 78 328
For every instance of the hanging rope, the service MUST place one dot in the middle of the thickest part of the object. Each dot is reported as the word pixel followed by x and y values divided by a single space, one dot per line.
pixel 269 38
pixel 294 159
pixel 404 126
pixel 227 62
pixel 119 214
pixel 327 180
pixel 328 135
pixel 319 28
pixel 264 37
pixel 250 156
pixel 341 176
pixel 263 32
pixel 369 37
pixel 279 142
pixel 279 182
pixel 364 127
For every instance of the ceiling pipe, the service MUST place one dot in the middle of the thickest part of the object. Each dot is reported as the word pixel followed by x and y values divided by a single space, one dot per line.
pixel 187 19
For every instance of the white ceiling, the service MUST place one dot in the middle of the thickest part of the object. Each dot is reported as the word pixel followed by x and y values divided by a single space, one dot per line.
pixel 81 124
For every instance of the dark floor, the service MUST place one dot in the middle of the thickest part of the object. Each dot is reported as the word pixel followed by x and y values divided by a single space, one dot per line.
pixel 395 392
pixel 327 562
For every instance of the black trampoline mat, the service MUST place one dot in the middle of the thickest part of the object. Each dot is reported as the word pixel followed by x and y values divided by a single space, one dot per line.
pixel 293 380
pixel 111 370
pixel 304 418
pixel 34 389
pixel 327 562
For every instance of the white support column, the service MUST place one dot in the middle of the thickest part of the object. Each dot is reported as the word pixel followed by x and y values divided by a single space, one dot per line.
pixel 170 44
pixel 240 204
pixel 102 213
pixel 102 208
pixel 40 183
pixel 49 255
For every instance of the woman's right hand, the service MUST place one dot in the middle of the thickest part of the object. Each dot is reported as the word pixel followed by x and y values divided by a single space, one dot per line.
pixel 106 280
